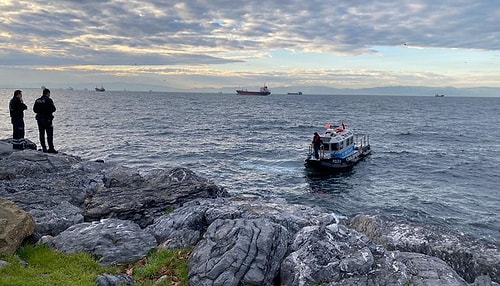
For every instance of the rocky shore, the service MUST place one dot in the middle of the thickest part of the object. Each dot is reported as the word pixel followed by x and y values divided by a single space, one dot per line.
pixel 118 215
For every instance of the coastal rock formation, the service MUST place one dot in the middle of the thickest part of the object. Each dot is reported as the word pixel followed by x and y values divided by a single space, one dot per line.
pixel 238 252
pixel 469 259
pixel 111 241
pixel 118 215
pixel 15 226
pixel 129 196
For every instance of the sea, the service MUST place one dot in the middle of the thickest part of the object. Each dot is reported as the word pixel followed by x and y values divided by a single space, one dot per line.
pixel 435 160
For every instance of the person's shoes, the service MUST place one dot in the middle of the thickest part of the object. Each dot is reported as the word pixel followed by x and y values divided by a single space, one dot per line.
pixel 53 151
pixel 44 150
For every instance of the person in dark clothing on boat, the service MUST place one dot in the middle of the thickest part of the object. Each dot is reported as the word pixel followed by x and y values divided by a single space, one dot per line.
pixel 316 144
pixel 44 107
pixel 17 108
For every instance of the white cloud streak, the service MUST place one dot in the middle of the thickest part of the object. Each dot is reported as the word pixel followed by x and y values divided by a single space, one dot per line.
pixel 207 32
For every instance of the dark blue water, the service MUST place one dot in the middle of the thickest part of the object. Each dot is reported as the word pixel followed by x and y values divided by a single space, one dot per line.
pixel 434 160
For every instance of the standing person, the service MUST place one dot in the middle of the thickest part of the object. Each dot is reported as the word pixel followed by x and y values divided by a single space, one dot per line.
pixel 17 108
pixel 316 144
pixel 44 107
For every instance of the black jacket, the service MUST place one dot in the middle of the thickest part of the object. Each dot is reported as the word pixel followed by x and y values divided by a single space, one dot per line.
pixel 17 107
pixel 44 107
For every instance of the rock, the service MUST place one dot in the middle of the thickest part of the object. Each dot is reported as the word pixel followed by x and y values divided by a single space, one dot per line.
pixel 146 199
pixel 111 241
pixel 468 258
pixel 185 225
pixel 327 253
pixel 405 268
pixel 3 263
pixel 238 252
pixel 114 280
pixel 183 228
pixel 15 225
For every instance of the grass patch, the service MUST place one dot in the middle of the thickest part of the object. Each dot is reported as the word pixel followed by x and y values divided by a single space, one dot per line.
pixel 164 266
pixel 48 267
pixel 36 265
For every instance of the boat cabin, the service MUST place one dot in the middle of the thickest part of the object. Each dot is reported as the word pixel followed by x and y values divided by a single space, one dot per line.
pixel 338 142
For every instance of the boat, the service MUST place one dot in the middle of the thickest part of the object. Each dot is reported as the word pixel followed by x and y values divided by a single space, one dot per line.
pixel 263 91
pixel 99 88
pixel 295 93
pixel 340 149
pixel 438 95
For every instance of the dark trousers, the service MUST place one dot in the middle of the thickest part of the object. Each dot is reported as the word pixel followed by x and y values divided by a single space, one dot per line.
pixel 45 126
pixel 17 127
pixel 316 152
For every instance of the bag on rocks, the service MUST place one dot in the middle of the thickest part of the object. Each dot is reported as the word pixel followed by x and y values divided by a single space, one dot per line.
pixel 23 143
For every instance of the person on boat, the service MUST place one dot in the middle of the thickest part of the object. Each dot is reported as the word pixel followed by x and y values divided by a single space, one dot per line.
pixel 17 108
pixel 316 144
pixel 44 107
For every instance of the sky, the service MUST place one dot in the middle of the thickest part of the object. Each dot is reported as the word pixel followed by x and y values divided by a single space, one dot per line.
pixel 232 43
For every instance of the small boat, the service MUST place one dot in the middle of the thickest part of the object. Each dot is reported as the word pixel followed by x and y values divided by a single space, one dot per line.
pixel 263 91
pixel 295 93
pixel 340 149
pixel 99 88
pixel 438 95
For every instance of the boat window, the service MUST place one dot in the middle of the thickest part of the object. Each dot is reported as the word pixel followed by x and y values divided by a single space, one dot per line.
pixel 326 146
pixel 335 146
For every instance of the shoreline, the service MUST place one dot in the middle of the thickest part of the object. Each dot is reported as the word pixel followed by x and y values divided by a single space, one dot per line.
pixel 66 195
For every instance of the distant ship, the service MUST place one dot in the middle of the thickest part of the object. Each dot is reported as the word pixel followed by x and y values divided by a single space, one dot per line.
pixel 263 91
pixel 99 88
pixel 295 93
pixel 439 95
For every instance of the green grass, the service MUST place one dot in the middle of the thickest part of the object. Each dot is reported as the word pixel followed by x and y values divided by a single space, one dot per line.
pixel 45 266
pixel 171 264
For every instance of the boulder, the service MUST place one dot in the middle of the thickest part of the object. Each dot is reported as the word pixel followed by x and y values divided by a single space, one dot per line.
pixel 15 225
pixel 142 200
pixel 111 241
pixel 114 280
pixel 404 268
pixel 185 225
pixel 238 252
pixel 321 253
pixel 468 257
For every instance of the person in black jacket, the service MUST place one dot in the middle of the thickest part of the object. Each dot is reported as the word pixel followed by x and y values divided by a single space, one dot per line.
pixel 316 144
pixel 44 107
pixel 17 108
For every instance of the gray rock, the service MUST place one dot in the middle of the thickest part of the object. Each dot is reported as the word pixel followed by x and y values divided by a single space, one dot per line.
pixel 186 225
pixel 405 268
pixel 326 253
pixel 114 280
pixel 182 228
pixel 144 200
pixel 111 241
pixel 468 258
pixel 238 252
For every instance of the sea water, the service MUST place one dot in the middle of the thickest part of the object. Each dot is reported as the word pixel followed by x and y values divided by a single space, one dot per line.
pixel 435 161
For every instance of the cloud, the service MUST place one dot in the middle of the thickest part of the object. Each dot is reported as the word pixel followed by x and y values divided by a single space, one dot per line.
pixel 220 32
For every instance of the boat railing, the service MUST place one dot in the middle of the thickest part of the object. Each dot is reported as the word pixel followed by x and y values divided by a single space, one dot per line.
pixel 321 152
pixel 362 141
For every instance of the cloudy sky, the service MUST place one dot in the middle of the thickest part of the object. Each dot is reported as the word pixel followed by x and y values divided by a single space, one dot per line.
pixel 232 43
